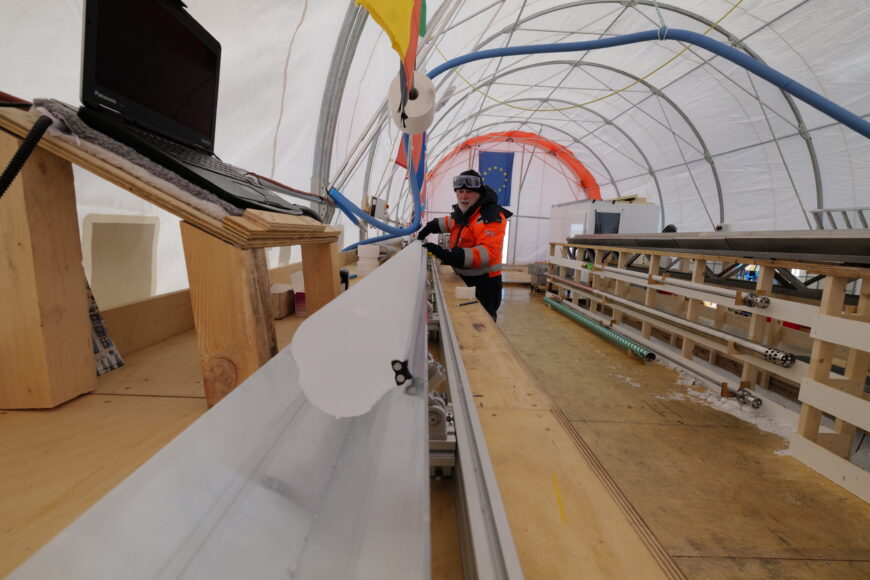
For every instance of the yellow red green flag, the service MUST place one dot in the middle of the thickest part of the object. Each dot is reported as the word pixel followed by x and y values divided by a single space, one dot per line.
pixel 403 21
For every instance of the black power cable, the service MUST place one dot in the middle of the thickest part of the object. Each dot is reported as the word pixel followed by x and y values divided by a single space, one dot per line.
pixel 24 151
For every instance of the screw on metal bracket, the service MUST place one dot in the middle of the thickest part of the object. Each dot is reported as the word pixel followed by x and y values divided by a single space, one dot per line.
pixel 403 375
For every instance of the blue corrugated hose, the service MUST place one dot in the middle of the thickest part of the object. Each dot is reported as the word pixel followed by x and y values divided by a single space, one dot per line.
pixel 726 51
pixel 789 85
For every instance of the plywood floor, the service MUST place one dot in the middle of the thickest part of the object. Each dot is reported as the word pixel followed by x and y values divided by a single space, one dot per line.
pixel 712 488
pixel 58 462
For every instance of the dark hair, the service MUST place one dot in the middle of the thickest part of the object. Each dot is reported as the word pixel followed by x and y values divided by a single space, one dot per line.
pixel 470 172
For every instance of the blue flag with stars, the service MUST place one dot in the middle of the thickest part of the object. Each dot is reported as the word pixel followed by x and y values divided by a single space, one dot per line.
pixel 496 170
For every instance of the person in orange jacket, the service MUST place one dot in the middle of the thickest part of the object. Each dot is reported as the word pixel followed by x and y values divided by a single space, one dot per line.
pixel 477 227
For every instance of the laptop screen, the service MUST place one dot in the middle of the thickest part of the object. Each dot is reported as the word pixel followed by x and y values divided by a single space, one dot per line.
pixel 152 63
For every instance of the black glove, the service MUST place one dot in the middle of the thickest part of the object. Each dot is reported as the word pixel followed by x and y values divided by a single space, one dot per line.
pixel 429 228
pixel 454 257
pixel 436 250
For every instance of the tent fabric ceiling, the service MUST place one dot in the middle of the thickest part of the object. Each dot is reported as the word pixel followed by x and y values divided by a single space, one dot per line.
pixel 304 86
pixel 665 120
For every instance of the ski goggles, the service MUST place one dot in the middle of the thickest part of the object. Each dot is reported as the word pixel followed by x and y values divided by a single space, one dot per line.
pixel 467 182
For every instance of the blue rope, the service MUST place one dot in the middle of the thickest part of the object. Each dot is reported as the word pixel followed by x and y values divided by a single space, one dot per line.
pixel 791 86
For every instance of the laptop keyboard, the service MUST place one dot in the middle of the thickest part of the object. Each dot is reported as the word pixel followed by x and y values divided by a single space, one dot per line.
pixel 190 155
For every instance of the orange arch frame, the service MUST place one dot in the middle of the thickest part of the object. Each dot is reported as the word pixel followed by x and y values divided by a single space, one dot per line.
pixel 587 181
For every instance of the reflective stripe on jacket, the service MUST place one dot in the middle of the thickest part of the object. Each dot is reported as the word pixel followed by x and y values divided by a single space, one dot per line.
pixel 481 243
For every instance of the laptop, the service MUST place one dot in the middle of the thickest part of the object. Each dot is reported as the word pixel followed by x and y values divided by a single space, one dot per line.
pixel 150 80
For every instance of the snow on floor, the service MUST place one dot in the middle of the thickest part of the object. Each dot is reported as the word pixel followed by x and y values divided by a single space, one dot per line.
pixel 704 394
pixel 629 380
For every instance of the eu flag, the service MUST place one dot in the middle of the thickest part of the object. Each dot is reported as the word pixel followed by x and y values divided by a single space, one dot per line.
pixel 496 170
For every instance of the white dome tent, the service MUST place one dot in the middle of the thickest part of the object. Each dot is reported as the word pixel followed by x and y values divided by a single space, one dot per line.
pixel 304 85
pixel 402 423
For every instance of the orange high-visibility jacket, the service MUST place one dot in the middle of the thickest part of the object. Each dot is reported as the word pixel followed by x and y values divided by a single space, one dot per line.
pixel 480 241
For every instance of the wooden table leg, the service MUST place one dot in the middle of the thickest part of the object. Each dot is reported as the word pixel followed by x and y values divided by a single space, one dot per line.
pixel 46 354
pixel 229 292
pixel 320 271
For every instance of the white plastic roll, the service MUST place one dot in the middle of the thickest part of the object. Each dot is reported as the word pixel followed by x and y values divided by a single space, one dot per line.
pixel 420 109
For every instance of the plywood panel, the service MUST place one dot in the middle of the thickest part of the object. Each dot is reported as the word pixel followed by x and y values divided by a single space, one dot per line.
pixel 58 462
pixel 562 516
pixel 765 569
pixel 713 489
pixel 567 517
pixel 142 324
pixel 446 554
pixel 168 369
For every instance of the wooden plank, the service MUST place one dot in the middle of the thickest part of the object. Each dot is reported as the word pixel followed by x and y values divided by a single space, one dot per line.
pixel 19 122
pixel 320 271
pixel 810 267
pixel 846 474
pixel 229 293
pixel 857 367
pixel 650 292
pixel 284 222
pixel 565 513
pixel 822 356
pixel 46 358
pixel 839 330
pixel 656 442
pixel 726 568
pixel 59 462
pixel 698 269
pixel 141 324
pixel 782 308
pixel 846 406
pixel 621 287
pixel 757 323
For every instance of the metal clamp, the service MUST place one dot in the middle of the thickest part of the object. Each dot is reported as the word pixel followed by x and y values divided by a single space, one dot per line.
pixel 747 397
pixel 403 375
pixel 755 301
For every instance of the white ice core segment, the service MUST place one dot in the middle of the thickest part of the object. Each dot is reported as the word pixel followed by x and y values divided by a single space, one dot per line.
pixel 345 351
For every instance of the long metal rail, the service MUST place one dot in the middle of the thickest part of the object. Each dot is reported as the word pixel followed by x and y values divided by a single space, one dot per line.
pixel 488 549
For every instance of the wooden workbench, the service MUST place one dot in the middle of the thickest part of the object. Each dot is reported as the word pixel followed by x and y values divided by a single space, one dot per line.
pixel 46 356
pixel 568 517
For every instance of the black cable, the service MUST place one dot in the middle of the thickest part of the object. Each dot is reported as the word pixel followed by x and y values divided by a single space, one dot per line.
pixel 24 151
pixel 18 105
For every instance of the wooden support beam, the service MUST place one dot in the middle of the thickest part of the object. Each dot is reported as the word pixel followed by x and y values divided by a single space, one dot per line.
pixel 757 323
pixel 320 271
pixel 595 280
pixel 650 295
pixel 229 292
pixel 694 308
pixel 46 356
pixel 621 287
pixel 857 366
pixel 822 357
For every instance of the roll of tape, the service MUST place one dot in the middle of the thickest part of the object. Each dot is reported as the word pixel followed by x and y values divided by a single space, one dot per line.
pixel 419 110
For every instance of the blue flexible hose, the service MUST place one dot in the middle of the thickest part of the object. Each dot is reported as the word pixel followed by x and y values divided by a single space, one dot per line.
pixel 416 175
pixel 791 86
pixel 726 51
